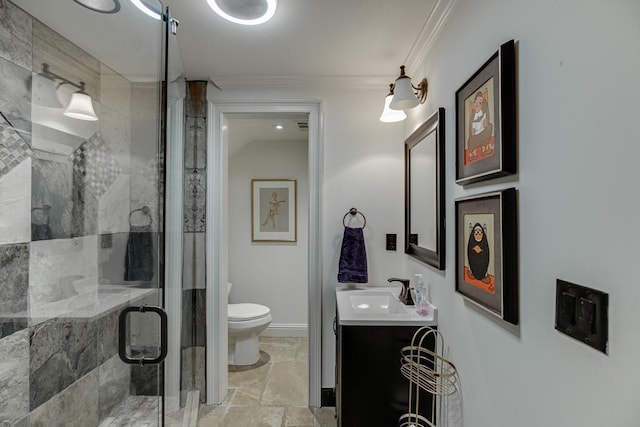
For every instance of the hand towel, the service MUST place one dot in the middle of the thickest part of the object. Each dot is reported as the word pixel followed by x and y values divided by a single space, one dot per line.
pixel 352 267
pixel 139 257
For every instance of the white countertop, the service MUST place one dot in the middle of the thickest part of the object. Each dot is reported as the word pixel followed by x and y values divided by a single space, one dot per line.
pixel 378 306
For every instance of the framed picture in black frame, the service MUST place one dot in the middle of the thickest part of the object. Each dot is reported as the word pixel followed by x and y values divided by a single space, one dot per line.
pixel 487 252
pixel 486 120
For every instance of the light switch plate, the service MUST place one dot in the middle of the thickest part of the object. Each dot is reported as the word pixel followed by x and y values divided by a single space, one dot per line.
pixel 392 240
pixel 582 313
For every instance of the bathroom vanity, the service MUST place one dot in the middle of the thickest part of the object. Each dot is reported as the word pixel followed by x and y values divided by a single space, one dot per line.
pixel 372 326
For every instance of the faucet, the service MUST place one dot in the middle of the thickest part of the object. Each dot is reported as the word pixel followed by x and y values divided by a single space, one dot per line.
pixel 405 293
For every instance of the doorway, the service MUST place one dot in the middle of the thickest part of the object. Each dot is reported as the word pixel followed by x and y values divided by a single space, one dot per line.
pixel 217 238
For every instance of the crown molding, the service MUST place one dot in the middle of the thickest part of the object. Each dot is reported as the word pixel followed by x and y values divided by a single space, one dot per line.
pixel 429 33
pixel 239 83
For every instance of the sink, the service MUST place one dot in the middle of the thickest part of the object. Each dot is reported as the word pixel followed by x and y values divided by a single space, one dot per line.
pixel 378 306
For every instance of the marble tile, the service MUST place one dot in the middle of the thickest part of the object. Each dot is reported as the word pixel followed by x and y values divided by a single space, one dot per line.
pixel 112 251
pixel 61 352
pixel 14 378
pixel 303 350
pixel 134 411
pixel 196 99
pixel 286 385
pixel 325 417
pixel 194 261
pixel 75 406
pixel 115 91
pixel 15 98
pixel 60 269
pixel 14 286
pixel 113 380
pixel 15 204
pixel 65 58
pixel 114 207
pixel 193 371
pixel 193 318
pixel 107 337
pixel 195 143
pixel 115 128
pixel 255 416
pixel 144 193
pixel 14 149
pixel 51 198
pixel 195 201
pixel 94 163
pixel 15 34
pixel 144 380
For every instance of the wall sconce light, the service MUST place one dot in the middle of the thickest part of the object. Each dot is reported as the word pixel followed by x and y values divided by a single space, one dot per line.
pixel 388 115
pixel 405 94
pixel 80 106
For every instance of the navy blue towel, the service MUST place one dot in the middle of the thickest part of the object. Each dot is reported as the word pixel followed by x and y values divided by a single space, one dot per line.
pixel 352 267
pixel 139 257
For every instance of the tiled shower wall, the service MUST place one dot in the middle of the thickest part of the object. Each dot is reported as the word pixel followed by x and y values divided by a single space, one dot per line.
pixel 193 276
pixel 66 191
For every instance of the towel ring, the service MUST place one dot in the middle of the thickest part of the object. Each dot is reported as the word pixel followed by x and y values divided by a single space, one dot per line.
pixel 145 211
pixel 354 212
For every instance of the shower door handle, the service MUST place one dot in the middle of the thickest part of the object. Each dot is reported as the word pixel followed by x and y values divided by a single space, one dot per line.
pixel 122 335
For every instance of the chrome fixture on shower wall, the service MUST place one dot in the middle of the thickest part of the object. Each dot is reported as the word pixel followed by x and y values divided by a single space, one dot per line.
pixel 80 106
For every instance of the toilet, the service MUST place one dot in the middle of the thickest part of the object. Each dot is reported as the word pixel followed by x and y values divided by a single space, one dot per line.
pixel 246 322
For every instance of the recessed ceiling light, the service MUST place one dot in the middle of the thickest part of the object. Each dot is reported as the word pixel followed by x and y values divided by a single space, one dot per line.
pixel 102 6
pixel 278 127
pixel 247 12
pixel 149 7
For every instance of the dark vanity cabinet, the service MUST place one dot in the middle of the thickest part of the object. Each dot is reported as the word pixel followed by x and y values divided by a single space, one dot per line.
pixel 370 389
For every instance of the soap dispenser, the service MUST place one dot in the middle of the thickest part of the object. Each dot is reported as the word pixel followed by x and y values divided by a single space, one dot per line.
pixel 422 305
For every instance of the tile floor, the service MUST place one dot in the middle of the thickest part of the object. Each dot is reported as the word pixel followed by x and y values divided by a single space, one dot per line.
pixel 273 395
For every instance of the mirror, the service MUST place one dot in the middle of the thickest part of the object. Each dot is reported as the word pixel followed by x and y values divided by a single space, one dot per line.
pixel 424 192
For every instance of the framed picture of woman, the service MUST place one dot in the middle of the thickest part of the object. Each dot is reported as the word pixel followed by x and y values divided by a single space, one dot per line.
pixel 486 120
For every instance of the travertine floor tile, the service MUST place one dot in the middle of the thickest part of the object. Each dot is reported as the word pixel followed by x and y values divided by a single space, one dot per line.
pixel 298 417
pixel 255 416
pixel 286 385
pixel 280 349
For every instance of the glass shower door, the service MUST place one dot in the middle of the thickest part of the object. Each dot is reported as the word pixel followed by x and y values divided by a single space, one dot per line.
pixel 82 172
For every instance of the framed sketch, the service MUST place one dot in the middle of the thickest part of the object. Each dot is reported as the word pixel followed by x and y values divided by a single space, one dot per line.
pixel 273 210
pixel 486 120
pixel 487 252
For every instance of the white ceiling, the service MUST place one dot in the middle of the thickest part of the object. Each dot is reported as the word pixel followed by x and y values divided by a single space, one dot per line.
pixel 307 40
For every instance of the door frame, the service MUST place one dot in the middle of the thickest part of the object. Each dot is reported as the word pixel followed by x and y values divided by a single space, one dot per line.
pixel 216 238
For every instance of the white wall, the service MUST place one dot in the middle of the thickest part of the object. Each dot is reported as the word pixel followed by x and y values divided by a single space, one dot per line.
pixel 269 273
pixel 363 167
pixel 578 210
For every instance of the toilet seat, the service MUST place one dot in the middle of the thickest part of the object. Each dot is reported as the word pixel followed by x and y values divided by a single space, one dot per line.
pixel 246 311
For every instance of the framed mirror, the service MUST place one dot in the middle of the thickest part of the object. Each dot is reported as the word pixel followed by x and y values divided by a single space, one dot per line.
pixel 424 192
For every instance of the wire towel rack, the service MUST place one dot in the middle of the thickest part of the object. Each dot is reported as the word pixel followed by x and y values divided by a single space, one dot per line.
pixel 428 371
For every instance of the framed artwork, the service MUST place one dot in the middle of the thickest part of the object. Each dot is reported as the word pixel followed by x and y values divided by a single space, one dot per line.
pixel 273 210
pixel 487 252
pixel 486 120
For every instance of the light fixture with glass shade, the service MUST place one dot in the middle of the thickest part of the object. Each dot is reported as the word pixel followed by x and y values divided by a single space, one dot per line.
pixel 102 6
pixel 45 85
pixel 388 115
pixel 81 106
pixel 246 12
pixel 149 8
pixel 405 94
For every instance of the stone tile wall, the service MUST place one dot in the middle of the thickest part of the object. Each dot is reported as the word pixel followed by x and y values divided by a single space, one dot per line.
pixel 66 189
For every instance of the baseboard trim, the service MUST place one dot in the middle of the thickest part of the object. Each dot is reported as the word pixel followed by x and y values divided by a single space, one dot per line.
pixel 287 330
